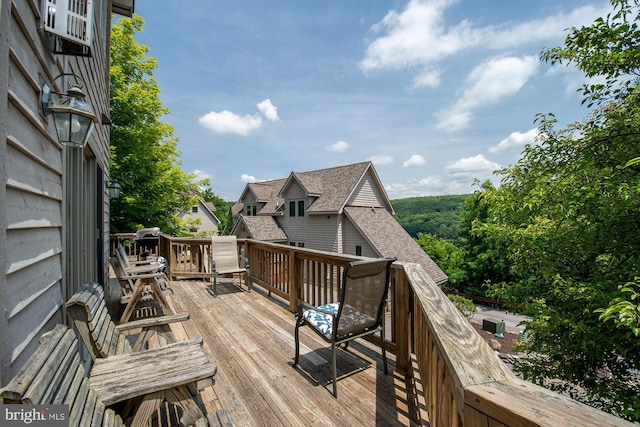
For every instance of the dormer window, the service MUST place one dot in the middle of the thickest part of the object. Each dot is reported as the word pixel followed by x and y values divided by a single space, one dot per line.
pixel 70 25
pixel 299 204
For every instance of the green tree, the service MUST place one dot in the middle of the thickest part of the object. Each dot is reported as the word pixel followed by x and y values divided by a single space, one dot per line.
pixel 437 215
pixel 223 209
pixel 144 156
pixel 447 255
pixel 567 215
pixel 485 253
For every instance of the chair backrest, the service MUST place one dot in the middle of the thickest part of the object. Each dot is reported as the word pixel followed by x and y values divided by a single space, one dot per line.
pixel 365 285
pixel 126 283
pixel 224 251
pixel 122 256
pixel 94 324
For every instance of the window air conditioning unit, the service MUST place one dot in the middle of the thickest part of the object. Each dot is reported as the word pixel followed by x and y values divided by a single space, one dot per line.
pixel 69 24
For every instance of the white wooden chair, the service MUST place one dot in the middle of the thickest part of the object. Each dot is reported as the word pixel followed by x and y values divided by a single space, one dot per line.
pixel 225 259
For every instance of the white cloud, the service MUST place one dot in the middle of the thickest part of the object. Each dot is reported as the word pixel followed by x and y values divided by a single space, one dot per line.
pixel 269 110
pixel 247 178
pixel 419 35
pixel 415 36
pixel 488 83
pixel 472 166
pixel 516 140
pixel 542 29
pixel 228 122
pixel 338 147
pixel 414 160
pixel 427 78
pixel 380 159
pixel 200 175
pixel 429 186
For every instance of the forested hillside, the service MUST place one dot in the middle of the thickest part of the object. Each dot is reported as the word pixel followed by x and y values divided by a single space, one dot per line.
pixel 436 215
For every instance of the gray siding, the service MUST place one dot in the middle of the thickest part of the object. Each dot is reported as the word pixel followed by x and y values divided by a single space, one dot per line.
pixel 352 237
pixel 53 203
pixel 366 193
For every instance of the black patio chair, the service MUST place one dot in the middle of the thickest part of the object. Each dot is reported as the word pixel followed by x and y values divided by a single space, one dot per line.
pixel 359 311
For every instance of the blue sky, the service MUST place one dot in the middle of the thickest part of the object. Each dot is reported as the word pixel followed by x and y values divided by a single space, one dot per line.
pixel 434 92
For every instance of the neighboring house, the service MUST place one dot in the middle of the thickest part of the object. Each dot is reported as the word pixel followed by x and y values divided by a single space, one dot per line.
pixel 343 209
pixel 204 211
pixel 54 205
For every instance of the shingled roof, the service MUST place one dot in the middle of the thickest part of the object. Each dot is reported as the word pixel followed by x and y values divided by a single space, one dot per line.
pixel 264 192
pixel 388 237
pixel 333 186
pixel 333 189
pixel 263 228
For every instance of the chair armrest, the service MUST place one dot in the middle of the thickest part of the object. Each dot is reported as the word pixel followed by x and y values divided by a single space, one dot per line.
pixel 153 321
pixel 142 276
pixel 149 268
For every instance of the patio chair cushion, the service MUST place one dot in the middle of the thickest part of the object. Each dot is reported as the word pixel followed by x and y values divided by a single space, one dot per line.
pixel 351 319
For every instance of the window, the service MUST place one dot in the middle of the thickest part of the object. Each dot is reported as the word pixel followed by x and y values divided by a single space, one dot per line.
pixel 292 243
pixel 358 250
pixel 292 208
pixel 194 209
pixel 251 210
pixel 300 207
pixel 301 244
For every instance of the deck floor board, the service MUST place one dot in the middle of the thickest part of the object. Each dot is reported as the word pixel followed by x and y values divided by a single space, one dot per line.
pixel 249 336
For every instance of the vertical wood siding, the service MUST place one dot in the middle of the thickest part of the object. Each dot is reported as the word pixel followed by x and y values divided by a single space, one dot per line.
pixel 54 206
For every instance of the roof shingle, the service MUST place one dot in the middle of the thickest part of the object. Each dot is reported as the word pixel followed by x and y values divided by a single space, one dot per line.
pixel 391 240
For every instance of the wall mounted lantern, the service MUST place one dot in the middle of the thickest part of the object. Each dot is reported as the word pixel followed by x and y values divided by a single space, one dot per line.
pixel 73 117
pixel 114 188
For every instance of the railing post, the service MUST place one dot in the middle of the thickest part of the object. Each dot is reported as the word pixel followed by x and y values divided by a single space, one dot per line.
pixel 294 282
pixel 402 312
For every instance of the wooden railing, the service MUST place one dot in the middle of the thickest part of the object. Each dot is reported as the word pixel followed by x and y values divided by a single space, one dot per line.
pixel 464 382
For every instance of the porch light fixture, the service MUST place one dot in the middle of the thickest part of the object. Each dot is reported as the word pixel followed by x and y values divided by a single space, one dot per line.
pixel 114 189
pixel 72 116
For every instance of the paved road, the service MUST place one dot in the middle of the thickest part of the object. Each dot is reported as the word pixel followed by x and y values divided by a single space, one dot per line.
pixel 510 320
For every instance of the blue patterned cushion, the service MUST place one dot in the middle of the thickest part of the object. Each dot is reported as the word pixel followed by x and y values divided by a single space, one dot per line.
pixel 351 320
pixel 322 321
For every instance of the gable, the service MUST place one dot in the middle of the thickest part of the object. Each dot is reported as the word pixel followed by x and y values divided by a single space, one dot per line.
pixel 368 194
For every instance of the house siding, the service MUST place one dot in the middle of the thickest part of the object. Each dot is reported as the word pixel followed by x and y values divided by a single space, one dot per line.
pixel 208 222
pixel 53 203
pixel 321 232
pixel 351 237
pixel 296 226
pixel 367 193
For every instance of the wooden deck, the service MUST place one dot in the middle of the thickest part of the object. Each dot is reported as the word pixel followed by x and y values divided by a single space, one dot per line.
pixel 249 336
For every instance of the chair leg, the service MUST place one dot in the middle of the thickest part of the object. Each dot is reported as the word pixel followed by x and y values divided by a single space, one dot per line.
pixel 384 350
pixel 297 342
pixel 333 370
pixel 215 283
pixel 248 278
